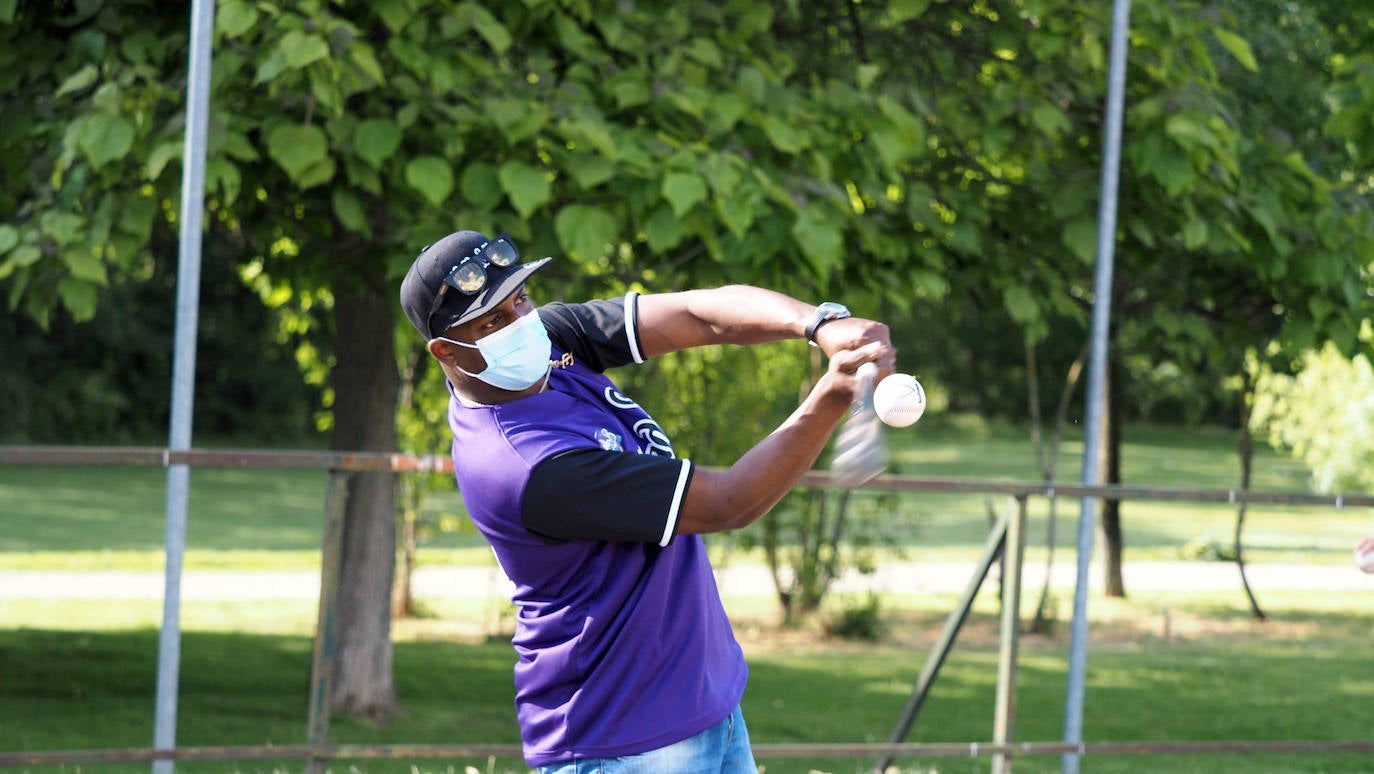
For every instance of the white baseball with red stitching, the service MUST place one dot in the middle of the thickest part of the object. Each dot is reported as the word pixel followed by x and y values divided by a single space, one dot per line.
pixel 899 400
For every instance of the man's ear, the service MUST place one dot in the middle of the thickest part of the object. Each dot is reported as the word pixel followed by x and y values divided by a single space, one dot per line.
pixel 440 350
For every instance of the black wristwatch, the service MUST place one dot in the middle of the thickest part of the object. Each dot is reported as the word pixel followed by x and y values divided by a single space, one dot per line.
pixel 825 313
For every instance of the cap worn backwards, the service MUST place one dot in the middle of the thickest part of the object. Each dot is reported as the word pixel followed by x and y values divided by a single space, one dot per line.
pixel 426 276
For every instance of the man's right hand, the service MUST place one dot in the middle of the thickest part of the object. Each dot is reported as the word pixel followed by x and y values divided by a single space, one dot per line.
pixel 840 385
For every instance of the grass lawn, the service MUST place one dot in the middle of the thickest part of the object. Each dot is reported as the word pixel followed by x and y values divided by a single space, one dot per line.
pixel 80 673
pixel 1308 674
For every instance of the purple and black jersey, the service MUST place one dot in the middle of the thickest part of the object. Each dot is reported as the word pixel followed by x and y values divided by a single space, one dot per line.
pixel 623 643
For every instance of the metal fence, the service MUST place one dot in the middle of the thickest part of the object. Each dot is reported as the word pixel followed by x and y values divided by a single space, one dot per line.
pixel 1006 542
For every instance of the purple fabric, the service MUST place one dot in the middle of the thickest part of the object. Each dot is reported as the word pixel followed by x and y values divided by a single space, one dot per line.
pixel 623 647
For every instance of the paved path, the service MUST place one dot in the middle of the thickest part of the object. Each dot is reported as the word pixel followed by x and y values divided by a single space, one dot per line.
pixel 479 582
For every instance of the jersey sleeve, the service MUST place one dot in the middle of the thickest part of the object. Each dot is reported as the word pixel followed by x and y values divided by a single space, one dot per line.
pixel 602 333
pixel 590 494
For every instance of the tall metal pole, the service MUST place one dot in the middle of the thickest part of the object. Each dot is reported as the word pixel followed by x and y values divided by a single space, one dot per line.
pixel 1102 309
pixel 183 371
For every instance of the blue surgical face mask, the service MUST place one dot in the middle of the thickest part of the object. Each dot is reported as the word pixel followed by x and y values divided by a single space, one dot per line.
pixel 517 355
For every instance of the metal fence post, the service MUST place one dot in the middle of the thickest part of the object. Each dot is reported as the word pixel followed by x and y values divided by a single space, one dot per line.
pixel 322 664
pixel 1012 555
pixel 991 550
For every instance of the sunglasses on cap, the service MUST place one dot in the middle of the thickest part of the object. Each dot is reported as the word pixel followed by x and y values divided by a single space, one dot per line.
pixel 470 274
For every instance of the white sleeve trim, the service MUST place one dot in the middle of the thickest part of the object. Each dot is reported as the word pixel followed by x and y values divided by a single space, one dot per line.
pixel 632 326
pixel 675 509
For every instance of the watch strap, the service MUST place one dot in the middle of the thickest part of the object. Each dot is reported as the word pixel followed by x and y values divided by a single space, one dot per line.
pixel 824 313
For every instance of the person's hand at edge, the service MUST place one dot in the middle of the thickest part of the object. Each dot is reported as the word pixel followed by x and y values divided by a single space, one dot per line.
pixel 1364 554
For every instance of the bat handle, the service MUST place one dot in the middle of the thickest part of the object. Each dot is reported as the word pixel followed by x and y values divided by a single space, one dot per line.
pixel 868 374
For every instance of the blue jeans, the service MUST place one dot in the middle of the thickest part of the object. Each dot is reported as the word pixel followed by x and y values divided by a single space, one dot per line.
pixel 720 749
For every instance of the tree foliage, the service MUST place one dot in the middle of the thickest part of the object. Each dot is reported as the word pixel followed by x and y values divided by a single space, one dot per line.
pixel 949 145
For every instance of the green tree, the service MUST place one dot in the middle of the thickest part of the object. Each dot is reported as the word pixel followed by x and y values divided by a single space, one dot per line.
pixel 627 140
pixel 1315 402
pixel 1229 236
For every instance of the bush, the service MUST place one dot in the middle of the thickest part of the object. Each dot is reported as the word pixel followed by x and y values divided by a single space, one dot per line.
pixel 1324 414
pixel 1205 548
pixel 858 620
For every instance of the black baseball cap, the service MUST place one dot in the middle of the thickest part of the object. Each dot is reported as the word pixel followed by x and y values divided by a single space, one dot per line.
pixel 432 266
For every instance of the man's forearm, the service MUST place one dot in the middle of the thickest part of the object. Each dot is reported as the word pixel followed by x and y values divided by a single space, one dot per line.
pixel 743 314
pixel 732 314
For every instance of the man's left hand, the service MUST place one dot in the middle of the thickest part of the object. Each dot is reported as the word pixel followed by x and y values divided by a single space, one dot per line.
pixel 852 333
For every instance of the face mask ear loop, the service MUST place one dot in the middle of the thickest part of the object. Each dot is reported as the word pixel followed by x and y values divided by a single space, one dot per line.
pixel 461 344
pixel 466 371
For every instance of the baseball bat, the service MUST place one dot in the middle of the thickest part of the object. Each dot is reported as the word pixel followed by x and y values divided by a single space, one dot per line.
pixel 860 450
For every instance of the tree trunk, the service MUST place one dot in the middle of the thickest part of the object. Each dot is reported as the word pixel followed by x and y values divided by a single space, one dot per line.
pixel 409 497
pixel 365 387
pixel 1040 624
pixel 1247 456
pixel 1113 585
pixel 828 557
pixel 771 550
pixel 402 600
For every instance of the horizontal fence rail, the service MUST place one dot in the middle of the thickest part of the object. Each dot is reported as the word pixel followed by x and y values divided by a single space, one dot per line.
pixel 835 750
pixel 364 462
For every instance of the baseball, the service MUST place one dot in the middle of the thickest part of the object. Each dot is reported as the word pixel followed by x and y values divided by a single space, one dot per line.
pixel 1365 561
pixel 899 400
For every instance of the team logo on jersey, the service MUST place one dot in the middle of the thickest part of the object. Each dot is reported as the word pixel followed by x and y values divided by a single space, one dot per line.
pixel 652 439
pixel 619 399
pixel 609 441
